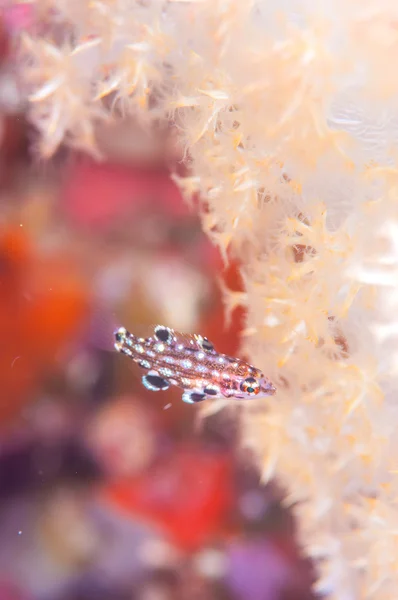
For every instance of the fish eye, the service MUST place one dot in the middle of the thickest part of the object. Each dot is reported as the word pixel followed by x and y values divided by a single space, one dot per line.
pixel 250 386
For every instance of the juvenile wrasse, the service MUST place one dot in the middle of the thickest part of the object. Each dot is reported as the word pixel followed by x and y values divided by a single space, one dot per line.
pixel 190 362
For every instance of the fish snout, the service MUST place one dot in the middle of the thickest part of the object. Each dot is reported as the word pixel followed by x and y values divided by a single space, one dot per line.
pixel 268 388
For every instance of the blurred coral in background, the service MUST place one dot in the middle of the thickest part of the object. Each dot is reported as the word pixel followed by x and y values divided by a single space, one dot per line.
pixel 222 167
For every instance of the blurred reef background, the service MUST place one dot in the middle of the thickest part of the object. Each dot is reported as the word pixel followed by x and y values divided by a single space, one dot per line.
pixel 223 167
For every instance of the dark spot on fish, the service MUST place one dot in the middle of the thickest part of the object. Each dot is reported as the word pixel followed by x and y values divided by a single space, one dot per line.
pixel 196 397
pixel 193 397
pixel 207 345
pixel 163 334
pixel 121 334
pixel 211 391
pixel 155 382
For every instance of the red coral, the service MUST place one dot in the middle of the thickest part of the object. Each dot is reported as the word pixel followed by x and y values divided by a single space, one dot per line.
pixel 42 304
pixel 187 495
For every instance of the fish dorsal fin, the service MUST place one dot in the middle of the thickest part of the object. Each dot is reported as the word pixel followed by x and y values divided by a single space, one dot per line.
pixel 188 340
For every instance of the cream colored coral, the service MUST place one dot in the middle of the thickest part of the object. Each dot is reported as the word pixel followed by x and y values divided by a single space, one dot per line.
pixel 289 115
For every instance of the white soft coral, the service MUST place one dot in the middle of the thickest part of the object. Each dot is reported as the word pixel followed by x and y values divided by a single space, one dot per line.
pixel 288 114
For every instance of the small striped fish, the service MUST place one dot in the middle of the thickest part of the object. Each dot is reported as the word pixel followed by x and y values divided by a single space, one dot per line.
pixel 190 362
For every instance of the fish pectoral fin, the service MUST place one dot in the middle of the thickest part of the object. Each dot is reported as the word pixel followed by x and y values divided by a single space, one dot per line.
pixel 212 408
